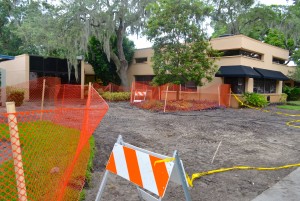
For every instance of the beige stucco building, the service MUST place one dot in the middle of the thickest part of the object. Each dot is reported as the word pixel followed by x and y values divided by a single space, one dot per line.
pixel 19 70
pixel 22 68
pixel 248 65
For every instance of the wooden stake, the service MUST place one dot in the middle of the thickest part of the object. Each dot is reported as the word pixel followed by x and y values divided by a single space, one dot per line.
pixel 166 97
pixel 43 97
pixel 216 152
pixel 219 96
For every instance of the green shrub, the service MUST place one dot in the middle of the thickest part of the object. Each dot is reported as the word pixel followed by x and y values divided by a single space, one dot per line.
pixel 116 96
pixel 15 95
pixel 254 99
pixel 293 93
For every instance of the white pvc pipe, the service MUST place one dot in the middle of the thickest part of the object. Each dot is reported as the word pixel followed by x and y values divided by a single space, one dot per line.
pixel 16 151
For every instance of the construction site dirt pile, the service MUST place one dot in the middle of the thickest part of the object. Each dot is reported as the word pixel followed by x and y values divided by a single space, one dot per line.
pixel 249 137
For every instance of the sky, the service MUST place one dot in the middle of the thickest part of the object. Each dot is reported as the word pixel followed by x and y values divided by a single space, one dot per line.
pixel 142 42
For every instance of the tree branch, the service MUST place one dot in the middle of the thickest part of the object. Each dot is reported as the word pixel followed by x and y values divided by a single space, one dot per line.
pixel 248 22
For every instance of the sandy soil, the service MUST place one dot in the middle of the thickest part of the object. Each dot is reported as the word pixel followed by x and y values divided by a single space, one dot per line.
pixel 248 137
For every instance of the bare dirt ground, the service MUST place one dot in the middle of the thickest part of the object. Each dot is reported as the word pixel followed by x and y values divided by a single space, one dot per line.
pixel 249 137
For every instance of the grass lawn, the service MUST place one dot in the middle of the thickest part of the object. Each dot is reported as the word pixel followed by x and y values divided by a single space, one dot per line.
pixel 291 105
pixel 47 150
pixel 297 103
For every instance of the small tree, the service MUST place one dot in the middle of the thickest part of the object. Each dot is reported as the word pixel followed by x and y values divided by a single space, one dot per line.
pixel 181 52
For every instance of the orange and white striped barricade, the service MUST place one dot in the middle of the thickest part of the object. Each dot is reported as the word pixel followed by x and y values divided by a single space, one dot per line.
pixel 149 171
pixel 139 96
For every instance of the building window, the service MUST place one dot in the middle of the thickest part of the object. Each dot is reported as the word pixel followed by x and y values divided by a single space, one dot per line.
pixel 278 61
pixel 237 52
pixel 144 78
pixel 237 84
pixel 141 60
pixel 54 67
pixel 264 86
pixel 190 85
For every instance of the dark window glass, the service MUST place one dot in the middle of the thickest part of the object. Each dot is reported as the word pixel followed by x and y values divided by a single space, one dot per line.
pixel 62 65
pixel 36 63
pixel 50 74
pixel 231 52
pixel 50 64
pixel 141 60
pixel 53 67
pixel 264 86
pixel 259 86
pixel 278 61
pixel 73 79
pixel 190 85
pixel 243 53
pixel 270 86
pixel 64 78
pixel 144 78
pixel 251 54
pixel 79 72
pixel 237 84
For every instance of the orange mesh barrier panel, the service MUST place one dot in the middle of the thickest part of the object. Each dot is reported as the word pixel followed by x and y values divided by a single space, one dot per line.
pixel 44 145
pixel 174 97
pixel 111 87
pixel 225 95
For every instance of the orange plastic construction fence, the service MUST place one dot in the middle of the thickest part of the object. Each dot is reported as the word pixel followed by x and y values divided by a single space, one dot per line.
pixel 44 144
pixel 111 87
pixel 177 97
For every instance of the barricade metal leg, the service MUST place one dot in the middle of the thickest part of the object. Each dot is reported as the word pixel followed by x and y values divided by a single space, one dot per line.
pixel 182 177
pixel 102 186
pixel 106 174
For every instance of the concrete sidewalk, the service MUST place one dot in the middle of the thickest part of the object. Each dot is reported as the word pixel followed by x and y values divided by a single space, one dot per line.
pixel 288 189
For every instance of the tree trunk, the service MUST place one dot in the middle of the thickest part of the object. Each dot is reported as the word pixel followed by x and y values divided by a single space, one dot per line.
pixel 122 70
pixel 124 79
pixel 120 60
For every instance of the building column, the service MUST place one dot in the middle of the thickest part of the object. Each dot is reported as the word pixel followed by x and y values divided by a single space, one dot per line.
pixel 249 85
pixel 279 87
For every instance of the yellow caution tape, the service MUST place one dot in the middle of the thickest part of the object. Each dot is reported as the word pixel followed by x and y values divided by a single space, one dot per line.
pixel 190 180
pixel 166 160
pixel 194 176
pixel 290 123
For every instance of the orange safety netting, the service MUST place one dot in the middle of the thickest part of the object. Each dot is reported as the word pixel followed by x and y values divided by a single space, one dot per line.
pixel 172 97
pixel 111 87
pixel 44 145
